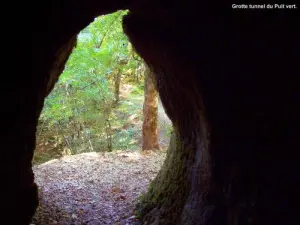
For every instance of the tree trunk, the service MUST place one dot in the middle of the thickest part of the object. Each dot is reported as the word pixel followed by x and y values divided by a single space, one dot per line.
pixel 108 135
pixel 150 134
pixel 117 86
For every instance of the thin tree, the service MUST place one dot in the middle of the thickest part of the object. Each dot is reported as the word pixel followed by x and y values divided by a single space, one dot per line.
pixel 117 83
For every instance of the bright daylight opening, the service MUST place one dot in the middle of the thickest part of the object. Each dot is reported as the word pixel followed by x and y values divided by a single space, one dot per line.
pixel 103 132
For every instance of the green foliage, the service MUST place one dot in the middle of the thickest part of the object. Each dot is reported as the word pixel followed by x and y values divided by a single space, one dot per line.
pixel 81 113
pixel 79 109
pixel 169 130
pixel 138 90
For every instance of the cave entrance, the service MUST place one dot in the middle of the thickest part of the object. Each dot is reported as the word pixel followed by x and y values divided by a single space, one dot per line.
pixel 87 163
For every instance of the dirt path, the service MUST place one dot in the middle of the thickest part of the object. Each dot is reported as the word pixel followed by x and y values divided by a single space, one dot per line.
pixel 94 188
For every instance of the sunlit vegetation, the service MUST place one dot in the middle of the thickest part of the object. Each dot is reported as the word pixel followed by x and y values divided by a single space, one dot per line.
pixel 97 104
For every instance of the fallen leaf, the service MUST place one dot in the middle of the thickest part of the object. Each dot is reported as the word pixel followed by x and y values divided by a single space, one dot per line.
pixel 116 190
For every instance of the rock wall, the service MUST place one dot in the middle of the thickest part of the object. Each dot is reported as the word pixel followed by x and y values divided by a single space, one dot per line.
pixel 229 81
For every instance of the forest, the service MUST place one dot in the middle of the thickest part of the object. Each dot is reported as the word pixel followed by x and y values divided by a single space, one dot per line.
pixel 105 99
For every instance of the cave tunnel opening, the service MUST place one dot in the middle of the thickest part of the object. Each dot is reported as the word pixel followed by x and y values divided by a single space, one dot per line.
pixel 229 81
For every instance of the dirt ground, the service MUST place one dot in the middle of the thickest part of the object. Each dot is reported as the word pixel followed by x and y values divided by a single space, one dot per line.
pixel 94 188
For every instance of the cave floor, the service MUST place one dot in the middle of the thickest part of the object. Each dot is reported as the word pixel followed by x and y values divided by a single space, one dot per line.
pixel 94 188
